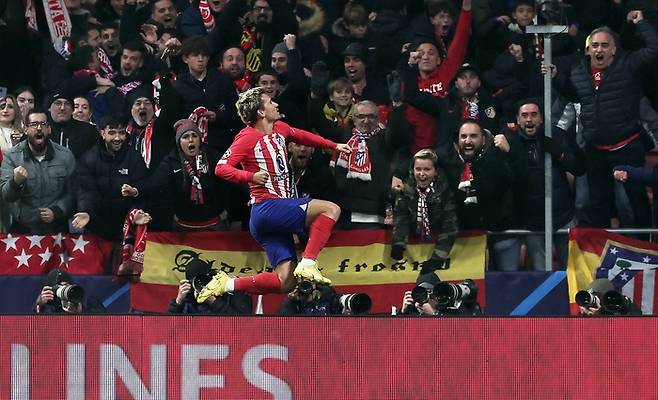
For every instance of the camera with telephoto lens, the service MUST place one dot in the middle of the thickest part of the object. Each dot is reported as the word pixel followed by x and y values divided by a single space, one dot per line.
pixel 305 287
pixel 452 295
pixel 421 293
pixel 615 303
pixel 69 292
pixel 587 298
pixel 201 280
pixel 355 303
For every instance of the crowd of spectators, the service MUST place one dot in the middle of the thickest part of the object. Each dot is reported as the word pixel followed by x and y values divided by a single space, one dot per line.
pixel 439 100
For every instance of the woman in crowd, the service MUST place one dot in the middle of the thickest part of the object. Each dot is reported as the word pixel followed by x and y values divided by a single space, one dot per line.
pixel 11 130
pixel 82 109
pixel 25 98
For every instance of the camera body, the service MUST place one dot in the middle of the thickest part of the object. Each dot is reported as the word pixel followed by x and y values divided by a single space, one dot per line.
pixel 448 298
pixel 69 292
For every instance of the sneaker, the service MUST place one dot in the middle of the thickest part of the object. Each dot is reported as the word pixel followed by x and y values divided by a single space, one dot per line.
pixel 216 287
pixel 310 273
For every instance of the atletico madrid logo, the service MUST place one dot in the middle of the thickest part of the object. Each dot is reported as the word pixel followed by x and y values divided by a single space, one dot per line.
pixel 490 112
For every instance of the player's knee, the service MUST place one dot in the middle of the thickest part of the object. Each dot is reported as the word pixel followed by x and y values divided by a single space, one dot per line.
pixel 333 211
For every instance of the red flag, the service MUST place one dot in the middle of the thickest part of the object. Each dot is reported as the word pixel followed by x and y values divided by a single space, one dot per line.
pixel 38 254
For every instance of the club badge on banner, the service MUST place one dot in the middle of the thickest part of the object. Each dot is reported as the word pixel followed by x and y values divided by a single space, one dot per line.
pixel 628 263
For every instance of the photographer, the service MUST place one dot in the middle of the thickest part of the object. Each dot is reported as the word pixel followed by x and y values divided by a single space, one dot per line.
pixel 197 274
pixel 309 298
pixel 431 297
pixel 601 298
pixel 60 295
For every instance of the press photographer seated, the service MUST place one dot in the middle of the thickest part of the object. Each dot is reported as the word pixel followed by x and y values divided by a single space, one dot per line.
pixel 310 299
pixel 197 274
pixel 601 298
pixel 60 295
pixel 436 298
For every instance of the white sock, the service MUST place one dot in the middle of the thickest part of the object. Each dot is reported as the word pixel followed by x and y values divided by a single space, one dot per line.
pixel 306 262
pixel 230 285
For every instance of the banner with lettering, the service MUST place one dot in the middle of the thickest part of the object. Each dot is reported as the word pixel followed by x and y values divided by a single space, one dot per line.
pixel 188 358
pixel 354 260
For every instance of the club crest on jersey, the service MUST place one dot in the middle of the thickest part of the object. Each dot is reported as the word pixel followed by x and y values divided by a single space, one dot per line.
pixel 490 112
pixel 280 163
pixel 227 153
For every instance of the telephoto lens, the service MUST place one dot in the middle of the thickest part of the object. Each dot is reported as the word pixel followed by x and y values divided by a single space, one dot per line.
pixel 421 294
pixel 200 281
pixel 586 298
pixel 305 287
pixel 71 293
pixel 356 303
pixel 614 302
pixel 448 294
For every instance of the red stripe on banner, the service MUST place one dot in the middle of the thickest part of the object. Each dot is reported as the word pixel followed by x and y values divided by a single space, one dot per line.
pixel 637 288
pixel 151 297
pixel 593 240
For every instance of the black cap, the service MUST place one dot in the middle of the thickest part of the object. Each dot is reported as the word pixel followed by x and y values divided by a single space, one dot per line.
pixel 195 268
pixel 467 67
pixel 429 279
pixel 354 49
pixel 57 276
pixel 56 96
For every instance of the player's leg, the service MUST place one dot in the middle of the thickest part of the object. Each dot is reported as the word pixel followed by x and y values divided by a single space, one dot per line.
pixel 321 216
pixel 280 250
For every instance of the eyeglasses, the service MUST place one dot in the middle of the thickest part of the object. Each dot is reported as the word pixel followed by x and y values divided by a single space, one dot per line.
pixel 37 124
pixel 260 9
pixel 365 116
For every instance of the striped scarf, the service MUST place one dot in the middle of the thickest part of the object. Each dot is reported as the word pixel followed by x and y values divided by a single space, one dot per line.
pixel 357 162
pixel 422 214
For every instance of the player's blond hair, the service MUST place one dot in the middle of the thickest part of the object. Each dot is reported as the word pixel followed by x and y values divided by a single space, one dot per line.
pixel 248 104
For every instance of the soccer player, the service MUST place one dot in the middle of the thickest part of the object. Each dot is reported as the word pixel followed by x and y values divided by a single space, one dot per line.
pixel 260 148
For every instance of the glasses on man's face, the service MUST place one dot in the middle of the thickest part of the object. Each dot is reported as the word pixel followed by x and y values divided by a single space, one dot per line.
pixel 366 116
pixel 262 9
pixel 37 124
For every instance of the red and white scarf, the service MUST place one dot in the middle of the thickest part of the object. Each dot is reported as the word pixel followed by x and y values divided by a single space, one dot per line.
pixel 194 173
pixel 198 116
pixel 466 184
pixel 145 145
pixel 133 246
pixel 30 15
pixel 422 213
pixel 59 25
pixel 206 16
pixel 357 162
pixel 106 66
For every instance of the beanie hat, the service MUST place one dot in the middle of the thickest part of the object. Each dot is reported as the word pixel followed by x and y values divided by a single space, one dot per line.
pixel 280 48
pixel 185 125
pixel 195 268
pixel 57 276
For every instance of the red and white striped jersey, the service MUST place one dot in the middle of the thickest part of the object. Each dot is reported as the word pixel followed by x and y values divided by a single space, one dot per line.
pixel 257 151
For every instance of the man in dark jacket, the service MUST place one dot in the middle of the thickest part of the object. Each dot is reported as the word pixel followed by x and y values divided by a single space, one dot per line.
pixel 200 86
pixel 485 178
pixel 101 173
pixel 527 138
pixel 75 135
pixel 607 86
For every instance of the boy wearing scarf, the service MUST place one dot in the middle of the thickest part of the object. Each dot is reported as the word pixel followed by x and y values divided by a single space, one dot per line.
pixel 425 204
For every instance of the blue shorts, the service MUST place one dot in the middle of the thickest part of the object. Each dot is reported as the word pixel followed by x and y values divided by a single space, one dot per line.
pixel 272 224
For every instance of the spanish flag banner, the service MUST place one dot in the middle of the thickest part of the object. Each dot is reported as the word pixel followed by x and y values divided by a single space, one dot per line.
pixel 630 265
pixel 354 260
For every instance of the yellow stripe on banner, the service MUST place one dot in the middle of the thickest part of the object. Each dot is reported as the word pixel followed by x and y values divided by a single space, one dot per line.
pixel 344 265
pixel 581 269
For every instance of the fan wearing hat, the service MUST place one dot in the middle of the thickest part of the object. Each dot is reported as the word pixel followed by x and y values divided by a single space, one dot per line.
pixel 467 99
pixel 365 84
pixel 187 176
pixel 75 135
